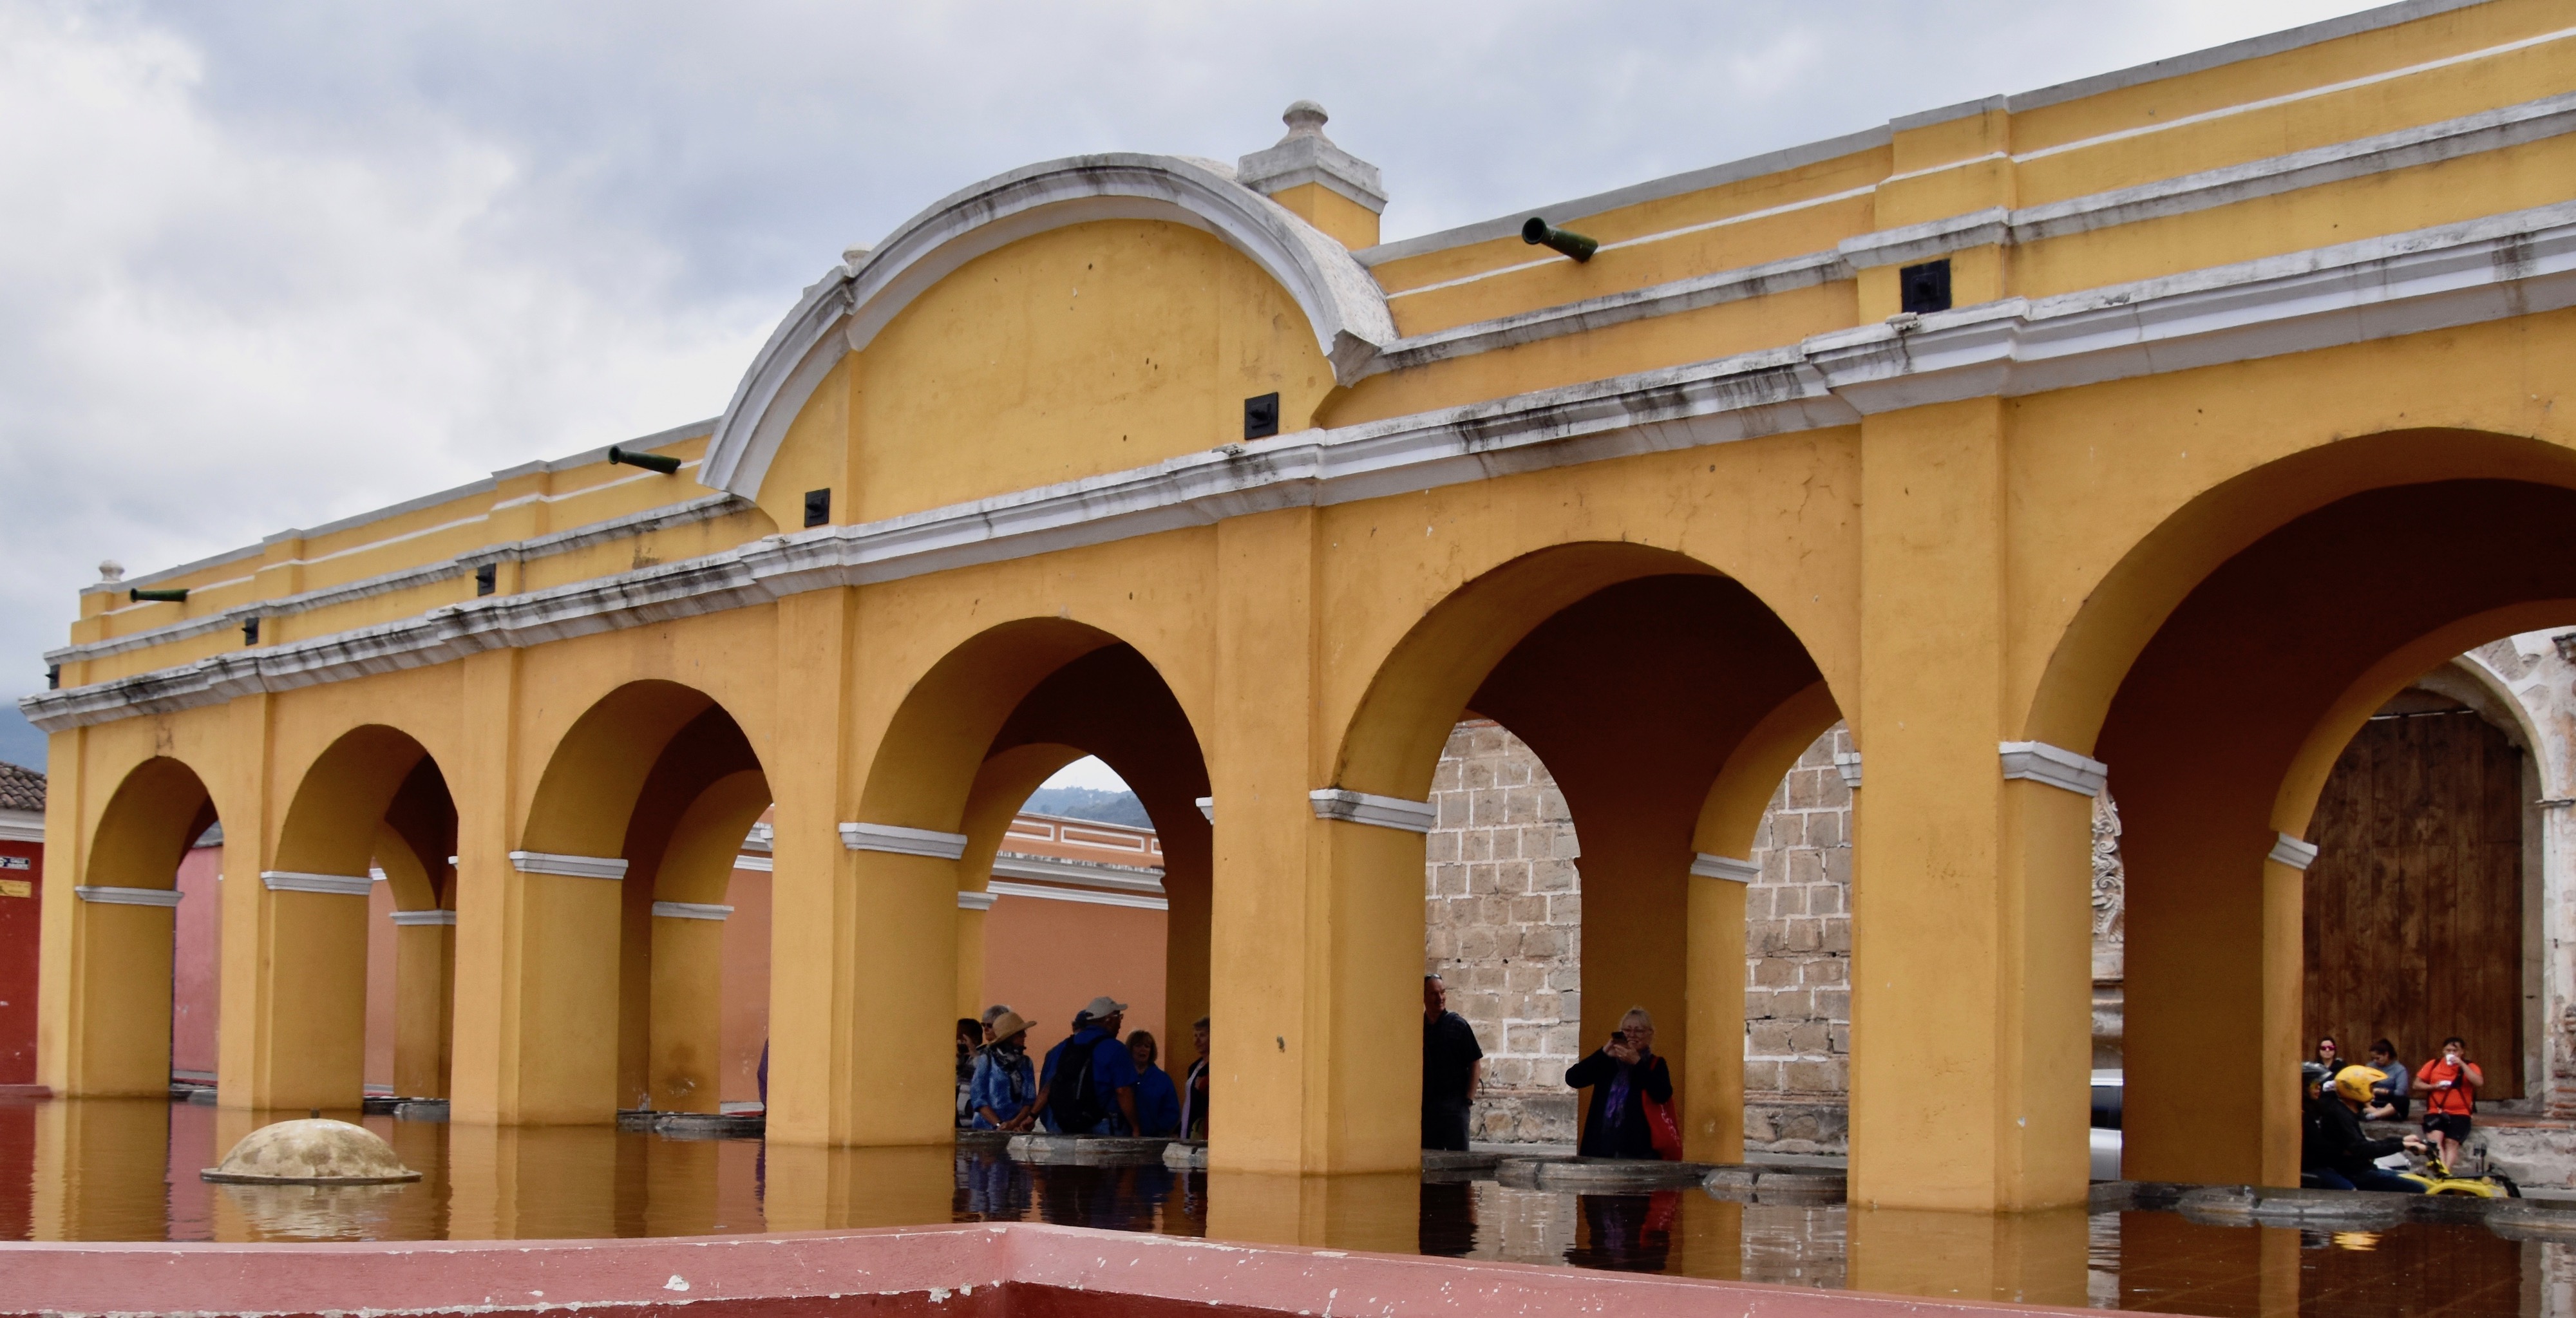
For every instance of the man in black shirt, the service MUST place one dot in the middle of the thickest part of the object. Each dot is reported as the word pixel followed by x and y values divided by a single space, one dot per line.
pixel 1452 1066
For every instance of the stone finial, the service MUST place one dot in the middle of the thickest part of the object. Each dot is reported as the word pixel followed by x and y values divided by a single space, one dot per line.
pixel 1305 156
pixel 111 570
pixel 1304 119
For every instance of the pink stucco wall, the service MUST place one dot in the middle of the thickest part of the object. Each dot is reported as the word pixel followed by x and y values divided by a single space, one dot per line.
pixel 379 1071
pixel 743 1002
pixel 197 951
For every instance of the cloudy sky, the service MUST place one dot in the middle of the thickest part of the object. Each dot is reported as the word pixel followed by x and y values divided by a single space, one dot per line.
pixel 267 264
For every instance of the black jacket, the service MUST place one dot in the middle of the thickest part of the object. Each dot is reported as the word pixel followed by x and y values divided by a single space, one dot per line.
pixel 1626 1135
pixel 2335 1140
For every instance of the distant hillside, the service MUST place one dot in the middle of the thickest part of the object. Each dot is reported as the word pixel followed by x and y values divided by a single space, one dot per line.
pixel 20 743
pixel 1089 803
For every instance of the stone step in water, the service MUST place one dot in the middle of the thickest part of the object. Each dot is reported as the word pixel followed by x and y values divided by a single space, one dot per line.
pixel 1087 1150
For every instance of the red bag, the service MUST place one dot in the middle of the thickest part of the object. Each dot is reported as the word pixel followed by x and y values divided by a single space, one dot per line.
pixel 1664 1126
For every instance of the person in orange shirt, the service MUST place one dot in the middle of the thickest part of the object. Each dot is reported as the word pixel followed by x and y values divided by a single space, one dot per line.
pixel 2449 1087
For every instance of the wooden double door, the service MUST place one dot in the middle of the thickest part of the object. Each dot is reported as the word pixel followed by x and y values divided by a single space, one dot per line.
pixel 2414 919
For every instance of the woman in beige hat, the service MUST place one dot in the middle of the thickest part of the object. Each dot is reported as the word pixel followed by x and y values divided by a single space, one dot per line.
pixel 1006 1081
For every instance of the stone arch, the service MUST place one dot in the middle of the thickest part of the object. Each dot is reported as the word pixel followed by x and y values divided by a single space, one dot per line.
pixel 110 1024
pixel 2219 669
pixel 845 309
pixel 1635 674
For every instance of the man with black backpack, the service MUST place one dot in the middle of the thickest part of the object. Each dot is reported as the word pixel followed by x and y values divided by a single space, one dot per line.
pixel 1089 1085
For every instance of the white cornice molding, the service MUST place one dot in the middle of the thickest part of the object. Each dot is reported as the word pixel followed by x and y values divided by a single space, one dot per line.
pixel 1728 868
pixel 1207 808
pixel 1667 299
pixel 1847 764
pixel 2292 852
pixel 335 885
pixel 2489 269
pixel 691 910
pixel 827 305
pixel 21 826
pixel 432 916
pixel 1050 869
pixel 105 896
pixel 853 302
pixel 1088 897
pixel 2053 766
pixel 898 840
pixel 577 867
pixel 757 864
pixel 971 899
pixel 1376 811
pixel 697 510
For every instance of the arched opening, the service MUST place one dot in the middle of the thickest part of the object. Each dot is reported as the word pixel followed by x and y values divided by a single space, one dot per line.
pixel 978 734
pixel 634 839
pixel 111 1033
pixel 373 809
pixel 2428 836
pixel 1667 702
pixel 2252 675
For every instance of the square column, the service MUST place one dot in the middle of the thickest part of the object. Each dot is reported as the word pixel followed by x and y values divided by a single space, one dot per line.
pixel 863 944
pixel 1972 894
pixel 1316 926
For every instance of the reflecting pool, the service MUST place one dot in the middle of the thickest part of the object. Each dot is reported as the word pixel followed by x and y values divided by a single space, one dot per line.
pixel 127 1170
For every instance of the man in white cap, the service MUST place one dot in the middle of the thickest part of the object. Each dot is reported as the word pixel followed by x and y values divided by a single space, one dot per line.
pixel 1089 1083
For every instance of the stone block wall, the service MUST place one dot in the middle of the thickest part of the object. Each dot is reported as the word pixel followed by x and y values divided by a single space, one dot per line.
pixel 1504 914
pixel 1797 960
pixel 1504 927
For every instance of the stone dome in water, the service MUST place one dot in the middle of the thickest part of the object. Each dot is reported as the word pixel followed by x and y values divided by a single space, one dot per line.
pixel 312 1152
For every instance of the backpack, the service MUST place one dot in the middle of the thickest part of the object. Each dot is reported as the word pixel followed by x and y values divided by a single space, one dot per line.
pixel 1074 1103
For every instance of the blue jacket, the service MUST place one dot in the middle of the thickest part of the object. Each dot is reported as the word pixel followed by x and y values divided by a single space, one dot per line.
pixel 1158 1103
pixel 1112 1068
pixel 1002 1082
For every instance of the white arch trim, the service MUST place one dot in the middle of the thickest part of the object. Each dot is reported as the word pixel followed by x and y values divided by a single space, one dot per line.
pixel 846 309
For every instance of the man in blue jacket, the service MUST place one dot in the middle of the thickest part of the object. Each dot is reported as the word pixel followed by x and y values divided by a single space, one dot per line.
pixel 1089 1087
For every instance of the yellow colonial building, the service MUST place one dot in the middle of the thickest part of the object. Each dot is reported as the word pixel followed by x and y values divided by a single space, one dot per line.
pixel 2159 425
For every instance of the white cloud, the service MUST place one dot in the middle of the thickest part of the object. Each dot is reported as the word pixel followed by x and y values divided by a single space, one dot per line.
pixel 264 265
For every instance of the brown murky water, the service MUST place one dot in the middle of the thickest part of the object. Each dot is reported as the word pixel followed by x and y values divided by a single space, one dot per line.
pixel 102 1170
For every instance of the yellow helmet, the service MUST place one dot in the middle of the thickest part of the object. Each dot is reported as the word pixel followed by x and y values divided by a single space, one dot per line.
pixel 2354 1082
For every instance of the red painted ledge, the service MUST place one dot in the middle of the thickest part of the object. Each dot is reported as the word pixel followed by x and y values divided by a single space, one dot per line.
pixel 970 1271
pixel 39 1092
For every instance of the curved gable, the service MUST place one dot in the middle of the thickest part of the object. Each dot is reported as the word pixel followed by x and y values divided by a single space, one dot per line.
pixel 847 310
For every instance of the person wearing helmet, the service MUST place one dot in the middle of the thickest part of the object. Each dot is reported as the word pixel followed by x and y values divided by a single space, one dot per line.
pixel 2343 1157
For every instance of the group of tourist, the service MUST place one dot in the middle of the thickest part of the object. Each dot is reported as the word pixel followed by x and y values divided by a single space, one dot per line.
pixel 2337 1153
pixel 1631 1111
pixel 1093 1083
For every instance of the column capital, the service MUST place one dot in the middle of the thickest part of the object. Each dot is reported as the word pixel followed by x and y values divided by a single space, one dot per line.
pixel 901 841
pixel 2292 852
pixel 1374 810
pixel 1728 868
pixel 2053 765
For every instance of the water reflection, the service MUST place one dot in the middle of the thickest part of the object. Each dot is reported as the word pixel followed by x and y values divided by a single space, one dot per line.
pixel 127 1170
